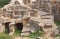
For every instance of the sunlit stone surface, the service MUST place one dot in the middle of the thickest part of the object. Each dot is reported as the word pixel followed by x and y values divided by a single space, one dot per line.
pixel 29 17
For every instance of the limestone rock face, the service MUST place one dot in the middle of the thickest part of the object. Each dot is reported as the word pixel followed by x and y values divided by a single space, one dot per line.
pixel 34 25
pixel 25 17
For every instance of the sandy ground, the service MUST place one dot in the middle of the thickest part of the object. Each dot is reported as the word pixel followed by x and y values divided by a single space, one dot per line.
pixel 22 38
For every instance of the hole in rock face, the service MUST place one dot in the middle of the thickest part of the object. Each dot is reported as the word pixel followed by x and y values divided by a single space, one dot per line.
pixel 19 27
pixel 7 27
pixel 48 26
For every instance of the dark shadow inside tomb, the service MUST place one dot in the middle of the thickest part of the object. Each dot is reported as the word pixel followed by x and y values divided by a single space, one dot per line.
pixel 18 27
pixel 7 27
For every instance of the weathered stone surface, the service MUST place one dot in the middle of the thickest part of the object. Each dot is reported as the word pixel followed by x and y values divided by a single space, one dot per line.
pixel 25 33
pixel 1 27
pixel 30 16
pixel 11 28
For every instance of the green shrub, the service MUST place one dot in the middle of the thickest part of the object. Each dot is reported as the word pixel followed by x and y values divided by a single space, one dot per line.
pixel 17 32
pixel 4 2
pixel 57 23
pixel 5 36
pixel 36 34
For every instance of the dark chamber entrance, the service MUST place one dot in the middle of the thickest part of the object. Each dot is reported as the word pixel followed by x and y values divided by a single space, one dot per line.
pixel 7 27
pixel 18 27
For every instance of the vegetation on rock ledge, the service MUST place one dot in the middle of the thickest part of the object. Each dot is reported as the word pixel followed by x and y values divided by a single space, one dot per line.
pixel 4 2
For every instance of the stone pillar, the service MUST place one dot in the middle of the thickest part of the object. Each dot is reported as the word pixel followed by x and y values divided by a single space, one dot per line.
pixel 1 27
pixel 11 27
pixel 26 30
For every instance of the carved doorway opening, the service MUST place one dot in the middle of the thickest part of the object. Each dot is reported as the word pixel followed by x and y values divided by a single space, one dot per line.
pixel 18 27
pixel 7 30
